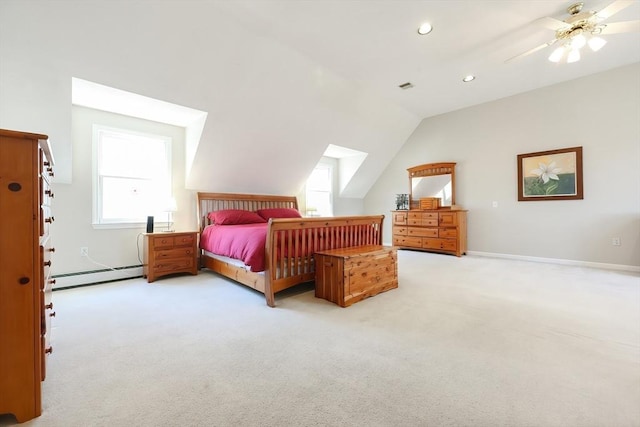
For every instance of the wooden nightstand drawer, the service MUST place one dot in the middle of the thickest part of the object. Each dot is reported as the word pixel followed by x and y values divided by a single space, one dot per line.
pixel 173 265
pixel 175 253
pixel 162 242
pixel 186 240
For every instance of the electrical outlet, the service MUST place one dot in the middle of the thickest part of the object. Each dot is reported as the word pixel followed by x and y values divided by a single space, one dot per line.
pixel 84 251
pixel 615 241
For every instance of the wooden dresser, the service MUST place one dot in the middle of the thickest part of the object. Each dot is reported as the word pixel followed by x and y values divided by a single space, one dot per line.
pixel 169 253
pixel 348 275
pixel 441 230
pixel 26 167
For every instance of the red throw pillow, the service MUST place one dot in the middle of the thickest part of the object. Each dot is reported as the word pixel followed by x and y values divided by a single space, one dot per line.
pixel 235 216
pixel 279 213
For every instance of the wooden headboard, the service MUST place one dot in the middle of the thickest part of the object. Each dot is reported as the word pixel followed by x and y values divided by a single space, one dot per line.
pixel 210 202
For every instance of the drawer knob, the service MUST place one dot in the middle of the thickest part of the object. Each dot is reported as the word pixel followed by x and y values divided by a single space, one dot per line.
pixel 14 186
pixel 49 350
pixel 51 249
pixel 52 281
pixel 24 280
pixel 49 220
pixel 49 306
pixel 47 263
pixel 52 314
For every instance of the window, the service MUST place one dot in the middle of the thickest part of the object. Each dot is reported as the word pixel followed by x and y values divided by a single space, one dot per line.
pixel 319 197
pixel 132 176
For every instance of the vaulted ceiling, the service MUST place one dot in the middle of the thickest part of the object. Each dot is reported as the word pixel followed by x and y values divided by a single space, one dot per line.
pixel 281 80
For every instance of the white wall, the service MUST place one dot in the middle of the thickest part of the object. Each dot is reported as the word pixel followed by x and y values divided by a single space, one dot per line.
pixel 73 202
pixel 601 113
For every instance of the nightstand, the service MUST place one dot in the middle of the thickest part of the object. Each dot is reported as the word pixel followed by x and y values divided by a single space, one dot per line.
pixel 169 253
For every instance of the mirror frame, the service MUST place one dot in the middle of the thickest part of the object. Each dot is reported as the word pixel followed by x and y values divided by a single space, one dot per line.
pixel 432 169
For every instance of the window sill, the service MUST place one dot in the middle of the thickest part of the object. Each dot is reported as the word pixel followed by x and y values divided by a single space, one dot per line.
pixel 157 226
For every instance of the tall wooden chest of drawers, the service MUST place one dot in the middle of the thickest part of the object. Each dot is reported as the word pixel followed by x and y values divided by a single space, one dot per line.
pixel 348 275
pixel 26 167
pixel 439 230
pixel 169 253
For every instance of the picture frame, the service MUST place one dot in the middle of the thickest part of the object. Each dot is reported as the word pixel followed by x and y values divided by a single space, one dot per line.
pixel 550 175
pixel 402 202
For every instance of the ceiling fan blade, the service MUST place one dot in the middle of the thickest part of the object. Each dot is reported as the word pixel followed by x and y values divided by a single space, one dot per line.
pixel 621 27
pixel 613 8
pixel 530 51
pixel 551 23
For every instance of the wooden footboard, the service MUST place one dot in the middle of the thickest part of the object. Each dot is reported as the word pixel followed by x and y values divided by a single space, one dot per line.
pixel 290 242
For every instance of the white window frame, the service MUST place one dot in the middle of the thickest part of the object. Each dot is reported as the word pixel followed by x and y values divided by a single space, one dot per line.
pixel 97 221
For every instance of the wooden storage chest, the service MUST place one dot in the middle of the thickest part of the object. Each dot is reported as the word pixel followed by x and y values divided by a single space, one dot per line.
pixel 348 275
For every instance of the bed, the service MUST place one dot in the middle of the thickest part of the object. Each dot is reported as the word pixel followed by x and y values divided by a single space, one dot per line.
pixel 289 243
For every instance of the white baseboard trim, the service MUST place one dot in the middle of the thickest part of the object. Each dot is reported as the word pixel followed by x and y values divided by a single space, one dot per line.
pixel 97 276
pixel 602 265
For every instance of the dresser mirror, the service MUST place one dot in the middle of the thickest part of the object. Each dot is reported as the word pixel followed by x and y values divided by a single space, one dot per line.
pixel 432 180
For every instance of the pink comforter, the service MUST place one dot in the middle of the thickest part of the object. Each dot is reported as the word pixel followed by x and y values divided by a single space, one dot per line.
pixel 245 242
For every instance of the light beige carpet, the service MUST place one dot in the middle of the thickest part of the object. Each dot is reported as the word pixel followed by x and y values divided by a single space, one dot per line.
pixel 465 341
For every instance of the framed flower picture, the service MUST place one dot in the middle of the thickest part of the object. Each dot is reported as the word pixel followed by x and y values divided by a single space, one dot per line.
pixel 550 175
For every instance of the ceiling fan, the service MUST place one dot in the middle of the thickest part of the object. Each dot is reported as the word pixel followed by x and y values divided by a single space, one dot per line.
pixel 582 28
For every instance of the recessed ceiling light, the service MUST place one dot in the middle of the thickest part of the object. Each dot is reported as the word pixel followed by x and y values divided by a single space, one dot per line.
pixel 425 29
pixel 469 78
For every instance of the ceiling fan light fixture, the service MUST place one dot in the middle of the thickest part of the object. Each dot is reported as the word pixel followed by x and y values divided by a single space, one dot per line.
pixel 425 28
pixel 596 43
pixel 574 56
pixel 578 42
pixel 557 54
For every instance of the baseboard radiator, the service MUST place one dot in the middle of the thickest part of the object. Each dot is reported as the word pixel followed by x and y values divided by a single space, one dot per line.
pixel 94 277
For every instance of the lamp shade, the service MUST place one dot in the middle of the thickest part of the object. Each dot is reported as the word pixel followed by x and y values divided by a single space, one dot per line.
pixel 596 43
pixel 170 205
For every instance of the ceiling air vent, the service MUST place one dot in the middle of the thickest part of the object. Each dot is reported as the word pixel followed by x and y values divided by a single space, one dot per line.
pixel 406 85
